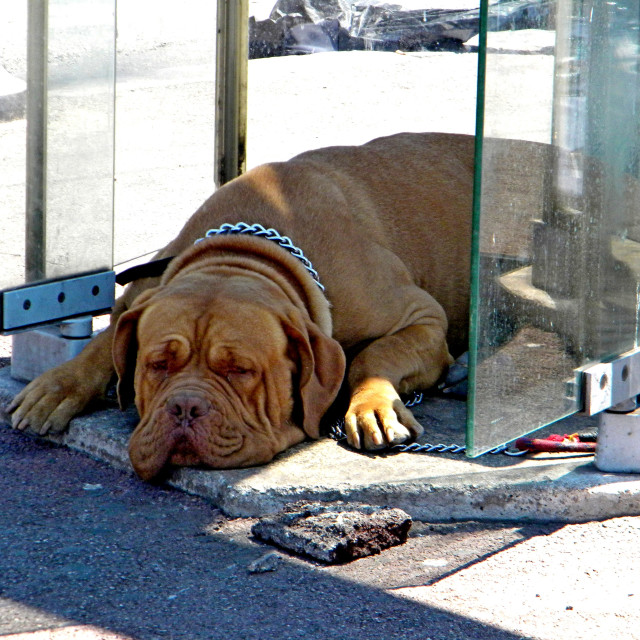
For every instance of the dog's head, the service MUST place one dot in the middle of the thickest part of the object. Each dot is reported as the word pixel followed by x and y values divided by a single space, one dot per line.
pixel 226 372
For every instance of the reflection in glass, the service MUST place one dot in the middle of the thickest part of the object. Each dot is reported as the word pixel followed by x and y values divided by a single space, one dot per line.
pixel 557 262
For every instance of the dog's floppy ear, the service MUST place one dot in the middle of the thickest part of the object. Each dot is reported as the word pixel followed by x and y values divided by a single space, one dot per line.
pixel 322 367
pixel 124 348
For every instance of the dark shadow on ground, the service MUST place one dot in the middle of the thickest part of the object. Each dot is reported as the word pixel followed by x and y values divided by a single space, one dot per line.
pixel 83 543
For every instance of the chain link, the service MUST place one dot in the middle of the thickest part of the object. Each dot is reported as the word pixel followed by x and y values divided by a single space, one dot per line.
pixel 242 228
pixel 337 433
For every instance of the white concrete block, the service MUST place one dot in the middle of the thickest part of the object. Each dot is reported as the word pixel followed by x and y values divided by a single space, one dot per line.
pixel 37 351
pixel 618 448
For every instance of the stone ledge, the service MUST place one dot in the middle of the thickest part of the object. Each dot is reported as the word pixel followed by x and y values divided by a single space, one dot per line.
pixel 430 487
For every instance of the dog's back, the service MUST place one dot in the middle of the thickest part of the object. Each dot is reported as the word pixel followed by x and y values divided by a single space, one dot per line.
pixel 411 193
pixel 364 216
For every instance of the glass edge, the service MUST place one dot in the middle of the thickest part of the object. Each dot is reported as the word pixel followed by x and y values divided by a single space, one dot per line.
pixel 474 287
pixel 114 88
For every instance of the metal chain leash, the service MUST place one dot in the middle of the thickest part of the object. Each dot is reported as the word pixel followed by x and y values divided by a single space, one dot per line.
pixel 337 433
pixel 242 228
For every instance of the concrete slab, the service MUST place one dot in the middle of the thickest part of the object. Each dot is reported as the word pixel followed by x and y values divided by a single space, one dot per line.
pixel 430 487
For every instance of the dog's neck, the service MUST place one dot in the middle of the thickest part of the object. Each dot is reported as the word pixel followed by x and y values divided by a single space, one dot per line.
pixel 155 268
pixel 257 230
pixel 262 257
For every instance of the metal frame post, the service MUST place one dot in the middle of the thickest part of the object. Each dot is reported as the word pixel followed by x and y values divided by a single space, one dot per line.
pixel 232 55
pixel 37 48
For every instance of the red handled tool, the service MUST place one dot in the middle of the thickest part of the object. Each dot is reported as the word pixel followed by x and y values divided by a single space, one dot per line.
pixel 574 443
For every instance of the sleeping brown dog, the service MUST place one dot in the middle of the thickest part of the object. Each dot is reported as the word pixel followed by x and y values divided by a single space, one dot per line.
pixel 236 353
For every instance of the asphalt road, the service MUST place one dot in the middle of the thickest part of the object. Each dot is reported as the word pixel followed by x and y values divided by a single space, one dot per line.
pixel 91 552
pixel 84 544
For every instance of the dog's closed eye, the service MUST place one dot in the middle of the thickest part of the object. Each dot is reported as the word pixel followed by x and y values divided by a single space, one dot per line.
pixel 234 369
pixel 159 365
pixel 239 371
pixel 239 376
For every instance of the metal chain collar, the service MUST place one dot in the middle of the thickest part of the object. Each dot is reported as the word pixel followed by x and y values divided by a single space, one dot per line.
pixel 242 228
pixel 337 433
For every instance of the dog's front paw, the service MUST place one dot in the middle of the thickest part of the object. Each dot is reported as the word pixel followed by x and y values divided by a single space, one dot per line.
pixel 377 418
pixel 48 403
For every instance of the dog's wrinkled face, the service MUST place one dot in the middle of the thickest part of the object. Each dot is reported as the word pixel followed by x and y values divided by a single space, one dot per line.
pixel 225 384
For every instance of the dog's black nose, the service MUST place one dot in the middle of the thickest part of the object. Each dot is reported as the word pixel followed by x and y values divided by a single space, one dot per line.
pixel 185 407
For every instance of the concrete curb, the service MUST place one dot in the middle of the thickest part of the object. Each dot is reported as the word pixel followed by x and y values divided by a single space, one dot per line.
pixel 430 487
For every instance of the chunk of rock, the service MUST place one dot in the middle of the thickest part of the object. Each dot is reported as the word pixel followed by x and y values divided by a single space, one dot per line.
pixel 268 562
pixel 334 532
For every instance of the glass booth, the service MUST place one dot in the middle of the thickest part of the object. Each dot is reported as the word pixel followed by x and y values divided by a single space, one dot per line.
pixel 127 132
pixel 555 283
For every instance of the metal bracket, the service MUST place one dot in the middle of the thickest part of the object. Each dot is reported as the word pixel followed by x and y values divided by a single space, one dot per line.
pixel 32 305
pixel 607 384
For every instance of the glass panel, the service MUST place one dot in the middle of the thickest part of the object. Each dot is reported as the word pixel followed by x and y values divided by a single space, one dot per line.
pixel 556 277
pixel 13 75
pixel 163 134
pixel 164 120
pixel 79 136
pixel 70 138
